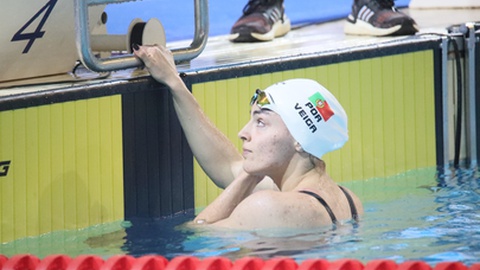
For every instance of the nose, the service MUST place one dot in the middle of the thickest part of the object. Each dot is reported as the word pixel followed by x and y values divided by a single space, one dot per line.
pixel 243 134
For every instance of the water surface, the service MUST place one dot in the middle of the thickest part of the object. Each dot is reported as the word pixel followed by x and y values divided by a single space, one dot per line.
pixel 412 216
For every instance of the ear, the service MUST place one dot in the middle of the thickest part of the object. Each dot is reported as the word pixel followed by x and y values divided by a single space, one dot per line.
pixel 298 147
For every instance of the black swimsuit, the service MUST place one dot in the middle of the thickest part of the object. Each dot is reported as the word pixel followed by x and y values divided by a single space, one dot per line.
pixel 353 208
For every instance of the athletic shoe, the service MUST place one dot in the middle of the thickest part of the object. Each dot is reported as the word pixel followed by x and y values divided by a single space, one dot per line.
pixel 378 18
pixel 262 20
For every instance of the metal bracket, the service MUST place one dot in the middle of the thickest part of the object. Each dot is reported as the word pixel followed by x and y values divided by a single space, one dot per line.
pixel 470 92
pixel 94 63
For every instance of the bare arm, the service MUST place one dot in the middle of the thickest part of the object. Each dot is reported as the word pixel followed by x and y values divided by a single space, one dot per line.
pixel 215 153
pixel 226 202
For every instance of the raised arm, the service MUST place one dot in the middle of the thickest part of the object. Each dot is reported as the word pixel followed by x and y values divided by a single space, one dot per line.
pixel 215 153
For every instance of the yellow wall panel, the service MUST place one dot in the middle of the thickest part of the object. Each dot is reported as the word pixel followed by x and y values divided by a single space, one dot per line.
pixel 45 169
pixel 66 167
pixel 93 187
pixel 389 101
pixel 377 120
pixel 19 173
pixel 388 113
pixel 351 82
pixel 66 185
pixel 117 161
pixel 329 75
pixel 81 160
pixel 55 184
pixel 106 165
pixel 409 102
pixel 398 105
pixel 31 192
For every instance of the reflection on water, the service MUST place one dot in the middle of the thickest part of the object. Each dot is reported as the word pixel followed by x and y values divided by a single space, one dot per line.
pixel 266 245
pixel 408 217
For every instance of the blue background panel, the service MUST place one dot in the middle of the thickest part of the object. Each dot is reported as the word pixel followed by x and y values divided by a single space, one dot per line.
pixel 178 19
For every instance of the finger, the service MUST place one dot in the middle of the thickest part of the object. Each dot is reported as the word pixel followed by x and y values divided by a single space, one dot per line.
pixel 144 54
pixel 138 50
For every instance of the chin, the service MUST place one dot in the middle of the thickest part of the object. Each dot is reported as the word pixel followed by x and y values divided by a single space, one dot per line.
pixel 249 168
pixel 253 169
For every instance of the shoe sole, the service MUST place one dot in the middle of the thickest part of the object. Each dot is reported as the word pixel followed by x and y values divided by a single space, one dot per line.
pixel 363 28
pixel 279 29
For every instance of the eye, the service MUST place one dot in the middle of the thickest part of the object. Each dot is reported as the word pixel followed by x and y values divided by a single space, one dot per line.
pixel 260 122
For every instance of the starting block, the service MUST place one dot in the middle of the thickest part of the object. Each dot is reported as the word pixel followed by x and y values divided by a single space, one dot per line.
pixel 49 38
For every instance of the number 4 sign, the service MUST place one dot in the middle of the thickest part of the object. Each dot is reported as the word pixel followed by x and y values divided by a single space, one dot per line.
pixel 38 33
pixel 37 40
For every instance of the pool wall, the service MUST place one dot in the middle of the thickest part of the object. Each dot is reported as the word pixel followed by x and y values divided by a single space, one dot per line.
pixel 65 165
pixel 111 150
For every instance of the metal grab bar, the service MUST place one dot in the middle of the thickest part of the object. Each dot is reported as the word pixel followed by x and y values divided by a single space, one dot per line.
pixel 128 61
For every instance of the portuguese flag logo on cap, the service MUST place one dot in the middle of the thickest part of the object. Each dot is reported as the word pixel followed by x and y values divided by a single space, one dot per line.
pixel 322 106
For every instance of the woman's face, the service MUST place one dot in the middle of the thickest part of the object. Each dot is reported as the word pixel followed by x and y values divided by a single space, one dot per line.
pixel 268 146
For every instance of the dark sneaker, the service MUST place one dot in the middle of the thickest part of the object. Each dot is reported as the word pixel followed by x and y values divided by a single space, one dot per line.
pixel 378 18
pixel 262 20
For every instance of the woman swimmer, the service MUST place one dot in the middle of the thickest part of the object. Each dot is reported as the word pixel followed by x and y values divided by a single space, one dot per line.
pixel 293 123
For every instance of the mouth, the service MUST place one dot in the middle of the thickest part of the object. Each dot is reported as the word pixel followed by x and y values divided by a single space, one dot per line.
pixel 246 152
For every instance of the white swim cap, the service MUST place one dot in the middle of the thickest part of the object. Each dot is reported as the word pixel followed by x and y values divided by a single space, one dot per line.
pixel 311 113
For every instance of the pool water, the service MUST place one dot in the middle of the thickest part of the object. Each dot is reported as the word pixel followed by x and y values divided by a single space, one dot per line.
pixel 412 216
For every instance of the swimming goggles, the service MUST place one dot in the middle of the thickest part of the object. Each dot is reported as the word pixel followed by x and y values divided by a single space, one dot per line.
pixel 260 97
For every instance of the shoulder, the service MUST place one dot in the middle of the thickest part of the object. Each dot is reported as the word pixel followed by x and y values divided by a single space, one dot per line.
pixel 268 209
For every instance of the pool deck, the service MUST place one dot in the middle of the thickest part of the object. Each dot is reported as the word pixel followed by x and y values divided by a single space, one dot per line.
pixel 220 53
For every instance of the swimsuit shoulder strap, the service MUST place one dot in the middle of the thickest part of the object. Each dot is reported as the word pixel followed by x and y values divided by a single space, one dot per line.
pixel 353 208
pixel 323 202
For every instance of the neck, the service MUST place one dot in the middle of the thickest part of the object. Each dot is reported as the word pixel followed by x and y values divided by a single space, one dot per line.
pixel 299 169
